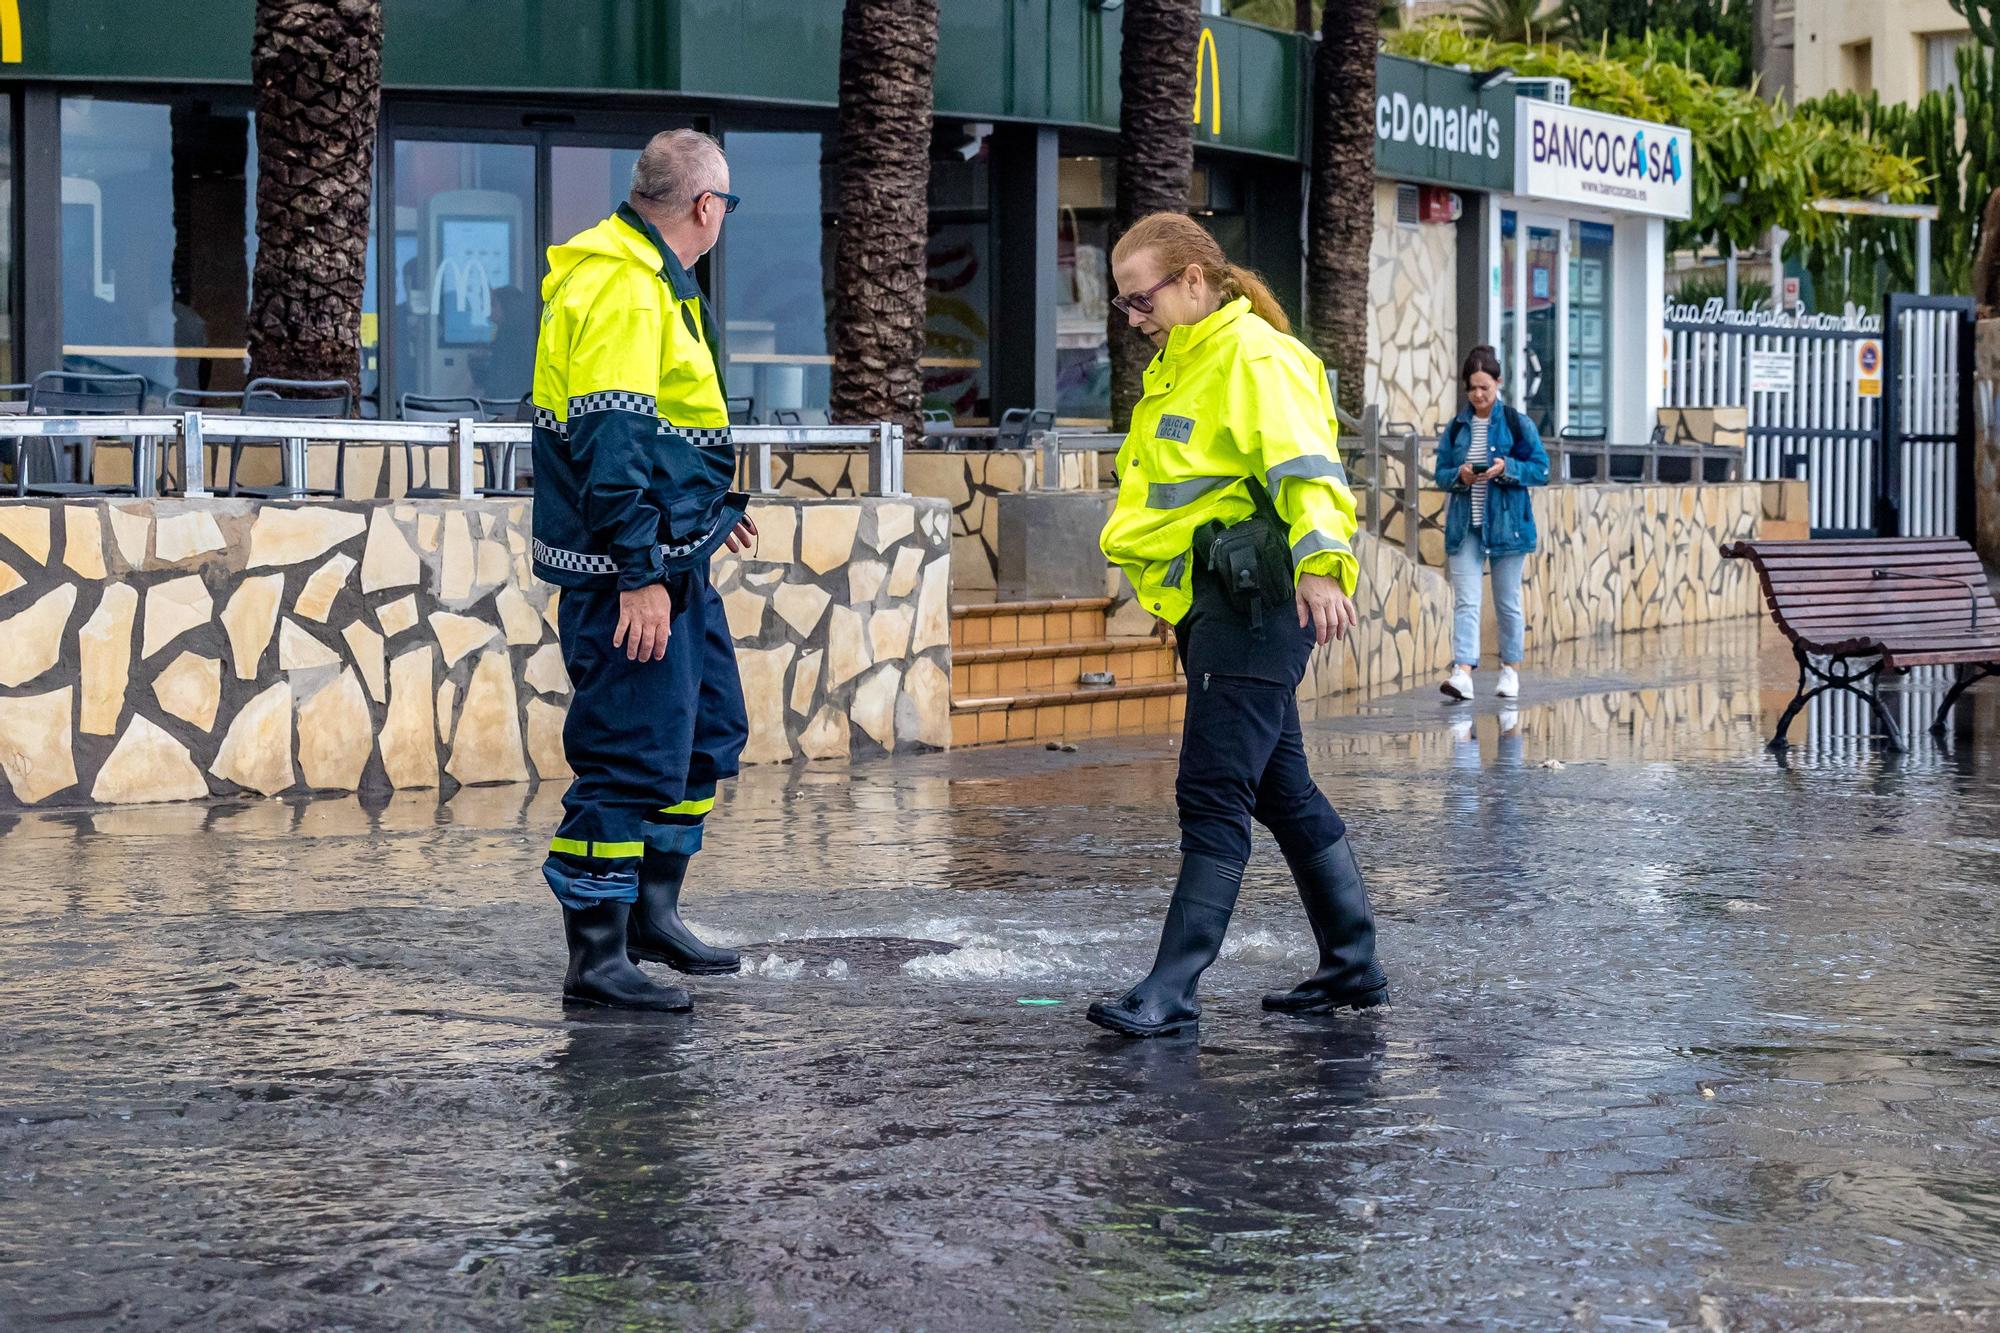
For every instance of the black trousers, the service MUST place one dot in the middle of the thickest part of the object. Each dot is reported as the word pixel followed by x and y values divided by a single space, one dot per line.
pixel 1242 754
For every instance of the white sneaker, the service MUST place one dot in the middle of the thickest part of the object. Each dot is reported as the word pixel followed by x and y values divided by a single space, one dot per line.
pixel 1458 684
pixel 1461 730
pixel 1510 684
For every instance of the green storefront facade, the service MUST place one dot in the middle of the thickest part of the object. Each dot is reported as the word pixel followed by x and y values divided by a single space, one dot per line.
pixel 507 125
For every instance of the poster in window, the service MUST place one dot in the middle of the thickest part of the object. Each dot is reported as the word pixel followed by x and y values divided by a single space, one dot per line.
pixel 1590 334
pixel 1591 385
pixel 1591 288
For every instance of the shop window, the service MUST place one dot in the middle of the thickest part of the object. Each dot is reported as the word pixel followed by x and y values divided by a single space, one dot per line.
pixel 158 240
pixel 9 359
pixel 1086 189
pixel 958 286
pixel 586 185
pixel 773 301
pixel 466 273
pixel 1590 326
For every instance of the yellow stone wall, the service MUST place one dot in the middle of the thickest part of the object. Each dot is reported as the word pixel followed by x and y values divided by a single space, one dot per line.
pixel 175 649
pixel 1612 559
pixel 968 481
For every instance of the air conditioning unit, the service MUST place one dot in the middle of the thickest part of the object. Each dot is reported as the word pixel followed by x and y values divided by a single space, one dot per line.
pixel 1545 90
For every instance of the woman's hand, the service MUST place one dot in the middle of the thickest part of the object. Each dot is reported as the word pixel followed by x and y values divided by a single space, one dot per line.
pixel 1466 475
pixel 1324 607
pixel 1497 471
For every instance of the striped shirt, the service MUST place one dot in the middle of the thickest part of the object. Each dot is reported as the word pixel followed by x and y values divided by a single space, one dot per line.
pixel 1478 456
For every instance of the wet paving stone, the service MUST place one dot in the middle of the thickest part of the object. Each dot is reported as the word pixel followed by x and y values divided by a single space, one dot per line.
pixel 1683 1036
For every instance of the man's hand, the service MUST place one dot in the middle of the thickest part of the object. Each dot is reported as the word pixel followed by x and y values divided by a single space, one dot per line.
pixel 744 536
pixel 645 618
pixel 1324 607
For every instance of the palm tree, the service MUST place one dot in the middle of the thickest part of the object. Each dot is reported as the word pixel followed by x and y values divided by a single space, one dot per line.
pixel 888 49
pixel 317 69
pixel 1340 217
pixel 1510 21
pixel 1155 151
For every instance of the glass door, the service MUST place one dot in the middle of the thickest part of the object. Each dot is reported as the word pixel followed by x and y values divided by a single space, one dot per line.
pixel 1541 391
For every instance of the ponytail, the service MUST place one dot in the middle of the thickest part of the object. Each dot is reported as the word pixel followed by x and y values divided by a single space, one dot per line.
pixel 1237 281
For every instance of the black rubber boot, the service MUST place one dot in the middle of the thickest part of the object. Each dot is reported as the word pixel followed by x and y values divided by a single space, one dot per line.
pixel 1197 918
pixel 656 933
pixel 1337 905
pixel 599 971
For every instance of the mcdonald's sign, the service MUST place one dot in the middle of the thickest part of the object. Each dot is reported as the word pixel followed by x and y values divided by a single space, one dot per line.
pixel 1205 47
pixel 10 32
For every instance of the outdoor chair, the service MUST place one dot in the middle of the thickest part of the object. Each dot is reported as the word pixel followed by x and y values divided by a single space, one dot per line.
pixel 742 411
pixel 197 400
pixel 1019 426
pixel 502 462
pixel 422 407
pixel 71 459
pixel 307 400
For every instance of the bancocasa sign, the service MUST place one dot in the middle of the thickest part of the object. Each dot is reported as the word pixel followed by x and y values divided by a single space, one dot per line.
pixel 1434 124
pixel 1588 157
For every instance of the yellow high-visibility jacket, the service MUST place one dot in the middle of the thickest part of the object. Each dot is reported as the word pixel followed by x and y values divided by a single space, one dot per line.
pixel 633 454
pixel 1229 398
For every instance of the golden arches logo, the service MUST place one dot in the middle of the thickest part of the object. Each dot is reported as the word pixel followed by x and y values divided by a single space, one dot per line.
pixel 1206 46
pixel 10 32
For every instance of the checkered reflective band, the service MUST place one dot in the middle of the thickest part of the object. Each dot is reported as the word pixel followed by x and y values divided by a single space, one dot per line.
pixel 548 420
pixel 587 562
pixel 701 437
pixel 574 562
pixel 613 400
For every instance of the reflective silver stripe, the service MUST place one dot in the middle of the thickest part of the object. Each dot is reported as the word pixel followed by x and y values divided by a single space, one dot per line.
pixel 1305 468
pixel 548 420
pixel 1315 542
pixel 576 562
pixel 1174 494
pixel 1176 570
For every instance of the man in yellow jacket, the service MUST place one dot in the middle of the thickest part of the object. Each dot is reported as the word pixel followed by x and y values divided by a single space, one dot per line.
pixel 633 460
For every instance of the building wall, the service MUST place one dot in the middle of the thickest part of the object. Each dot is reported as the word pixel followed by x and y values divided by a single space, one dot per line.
pixel 174 650
pixel 1412 317
pixel 1826 31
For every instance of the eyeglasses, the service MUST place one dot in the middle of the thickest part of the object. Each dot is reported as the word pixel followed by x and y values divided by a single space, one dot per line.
pixel 1142 302
pixel 729 201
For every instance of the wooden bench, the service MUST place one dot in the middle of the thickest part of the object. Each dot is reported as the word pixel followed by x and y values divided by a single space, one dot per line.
pixel 1869 606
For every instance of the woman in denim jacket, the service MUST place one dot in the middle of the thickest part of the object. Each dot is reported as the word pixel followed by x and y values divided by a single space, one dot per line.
pixel 1487 458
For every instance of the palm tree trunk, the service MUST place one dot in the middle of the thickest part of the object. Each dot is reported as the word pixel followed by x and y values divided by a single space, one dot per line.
pixel 888 49
pixel 317 69
pixel 1340 218
pixel 1155 152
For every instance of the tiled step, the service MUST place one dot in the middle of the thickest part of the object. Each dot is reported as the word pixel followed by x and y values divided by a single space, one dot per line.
pixel 1005 624
pixel 1068 715
pixel 1014 668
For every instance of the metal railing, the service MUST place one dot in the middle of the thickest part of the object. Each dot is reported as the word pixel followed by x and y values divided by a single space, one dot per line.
pixel 883 441
pixel 188 437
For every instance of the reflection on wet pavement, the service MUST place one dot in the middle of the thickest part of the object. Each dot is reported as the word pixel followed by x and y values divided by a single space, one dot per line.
pixel 1683 1036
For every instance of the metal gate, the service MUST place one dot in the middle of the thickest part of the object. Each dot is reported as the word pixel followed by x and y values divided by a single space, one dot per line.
pixel 1926 486
pixel 1802 379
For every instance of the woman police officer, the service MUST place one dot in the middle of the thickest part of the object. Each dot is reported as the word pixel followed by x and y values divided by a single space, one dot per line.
pixel 1232 522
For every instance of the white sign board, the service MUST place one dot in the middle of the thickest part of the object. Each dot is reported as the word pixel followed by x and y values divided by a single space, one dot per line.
pixel 1773 372
pixel 1587 157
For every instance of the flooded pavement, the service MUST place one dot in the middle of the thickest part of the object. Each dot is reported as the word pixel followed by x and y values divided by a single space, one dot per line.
pixel 1683 1036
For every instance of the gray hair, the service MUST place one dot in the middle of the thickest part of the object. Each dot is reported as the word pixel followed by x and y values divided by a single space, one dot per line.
pixel 675 166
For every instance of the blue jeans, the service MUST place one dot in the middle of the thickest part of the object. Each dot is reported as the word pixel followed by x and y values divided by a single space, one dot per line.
pixel 1466 564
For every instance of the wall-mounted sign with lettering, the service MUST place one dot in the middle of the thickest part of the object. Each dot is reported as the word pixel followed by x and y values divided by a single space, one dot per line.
pixel 1434 125
pixel 1587 157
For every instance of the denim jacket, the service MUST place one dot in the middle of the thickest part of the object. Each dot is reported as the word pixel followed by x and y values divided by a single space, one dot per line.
pixel 1510 516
